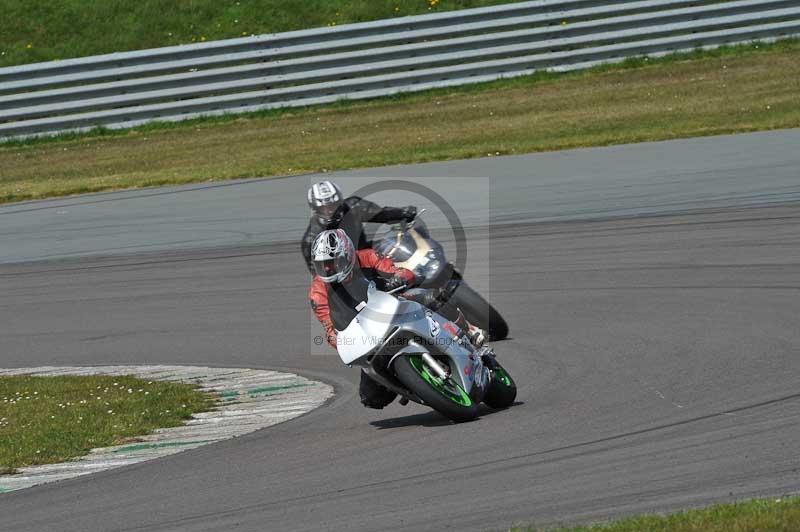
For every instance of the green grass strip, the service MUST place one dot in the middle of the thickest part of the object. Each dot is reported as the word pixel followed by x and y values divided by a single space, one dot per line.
pixel 767 515
pixel 43 31
pixel 46 420
pixel 733 89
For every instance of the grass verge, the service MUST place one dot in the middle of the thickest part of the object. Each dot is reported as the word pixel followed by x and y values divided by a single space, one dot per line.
pixel 768 515
pixel 736 89
pixel 42 31
pixel 46 420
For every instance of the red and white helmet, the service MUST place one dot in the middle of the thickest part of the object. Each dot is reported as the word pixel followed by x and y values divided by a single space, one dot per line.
pixel 333 255
pixel 324 198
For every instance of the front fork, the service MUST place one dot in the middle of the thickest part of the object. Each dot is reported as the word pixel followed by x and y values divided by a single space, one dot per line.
pixel 435 366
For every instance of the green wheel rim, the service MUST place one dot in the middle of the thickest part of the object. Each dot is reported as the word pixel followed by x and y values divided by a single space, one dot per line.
pixel 502 376
pixel 451 390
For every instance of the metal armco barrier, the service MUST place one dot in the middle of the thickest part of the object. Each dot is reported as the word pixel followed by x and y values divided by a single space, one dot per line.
pixel 371 59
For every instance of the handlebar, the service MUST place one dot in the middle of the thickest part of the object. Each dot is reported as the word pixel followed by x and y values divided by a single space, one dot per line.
pixel 402 226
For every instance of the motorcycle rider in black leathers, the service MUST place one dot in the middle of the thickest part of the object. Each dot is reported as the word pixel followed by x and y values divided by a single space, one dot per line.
pixel 331 210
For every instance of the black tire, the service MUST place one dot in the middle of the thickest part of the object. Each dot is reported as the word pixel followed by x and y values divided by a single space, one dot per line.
pixel 479 312
pixel 414 378
pixel 502 389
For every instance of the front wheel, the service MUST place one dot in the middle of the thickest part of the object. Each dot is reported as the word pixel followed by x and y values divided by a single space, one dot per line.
pixel 446 397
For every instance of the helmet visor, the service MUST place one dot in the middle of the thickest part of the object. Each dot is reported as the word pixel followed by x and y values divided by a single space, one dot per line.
pixel 332 270
pixel 326 269
pixel 327 211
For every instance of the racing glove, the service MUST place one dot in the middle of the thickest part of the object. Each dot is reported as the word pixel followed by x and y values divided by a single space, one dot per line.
pixel 432 298
pixel 394 282
pixel 409 213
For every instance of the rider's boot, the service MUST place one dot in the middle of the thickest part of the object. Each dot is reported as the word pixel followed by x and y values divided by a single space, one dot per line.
pixel 373 394
pixel 476 335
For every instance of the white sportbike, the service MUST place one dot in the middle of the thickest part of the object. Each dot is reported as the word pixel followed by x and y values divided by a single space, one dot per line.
pixel 423 357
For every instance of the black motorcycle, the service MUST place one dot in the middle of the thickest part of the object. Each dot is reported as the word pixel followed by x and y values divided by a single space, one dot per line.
pixel 410 246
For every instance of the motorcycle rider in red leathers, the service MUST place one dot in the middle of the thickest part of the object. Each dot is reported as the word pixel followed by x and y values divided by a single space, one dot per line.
pixel 342 276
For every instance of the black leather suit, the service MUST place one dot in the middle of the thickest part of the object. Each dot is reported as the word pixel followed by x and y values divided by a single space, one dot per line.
pixel 350 217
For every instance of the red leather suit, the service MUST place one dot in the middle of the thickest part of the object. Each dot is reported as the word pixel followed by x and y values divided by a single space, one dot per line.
pixel 369 267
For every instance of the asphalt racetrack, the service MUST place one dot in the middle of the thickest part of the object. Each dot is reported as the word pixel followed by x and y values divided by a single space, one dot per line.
pixel 653 292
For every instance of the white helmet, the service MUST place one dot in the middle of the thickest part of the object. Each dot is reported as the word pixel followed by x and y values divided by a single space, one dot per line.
pixel 333 255
pixel 324 198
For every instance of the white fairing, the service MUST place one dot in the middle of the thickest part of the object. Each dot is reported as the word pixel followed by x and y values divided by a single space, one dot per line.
pixel 368 329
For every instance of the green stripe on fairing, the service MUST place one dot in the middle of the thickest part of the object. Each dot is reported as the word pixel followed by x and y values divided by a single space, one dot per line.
pixel 266 389
pixel 144 446
pixel 4 490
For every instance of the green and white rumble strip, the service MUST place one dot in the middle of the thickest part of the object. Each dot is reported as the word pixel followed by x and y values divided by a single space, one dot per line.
pixel 249 400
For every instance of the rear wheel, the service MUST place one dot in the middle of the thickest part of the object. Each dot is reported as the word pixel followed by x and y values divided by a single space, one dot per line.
pixel 502 389
pixel 479 312
pixel 444 396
